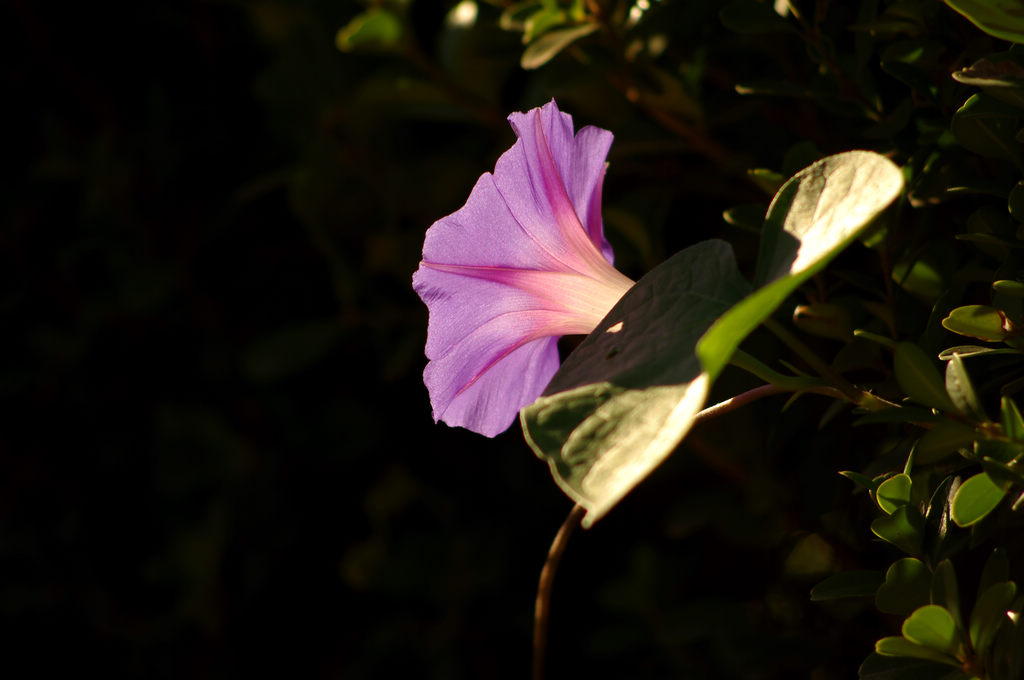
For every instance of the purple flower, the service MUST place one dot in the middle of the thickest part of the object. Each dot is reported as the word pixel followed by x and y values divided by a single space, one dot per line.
pixel 524 262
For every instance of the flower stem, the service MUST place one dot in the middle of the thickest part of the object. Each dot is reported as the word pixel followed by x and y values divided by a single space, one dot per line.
pixel 547 579
pixel 542 606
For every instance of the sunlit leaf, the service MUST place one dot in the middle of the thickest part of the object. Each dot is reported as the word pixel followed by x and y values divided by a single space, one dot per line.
pixel 546 47
pixel 898 646
pixel 638 373
pixel 933 626
pixel 893 493
pixel 976 321
pixel 975 498
pixel 1003 19
pixel 960 390
pixel 624 398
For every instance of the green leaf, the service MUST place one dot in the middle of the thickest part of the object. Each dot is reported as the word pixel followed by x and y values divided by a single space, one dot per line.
pixel 988 127
pixel 749 216
pixel 1002 19
pixel 945 591
pixel 997 570
pixel 960 390
pixel 907 586
pixel 645 352
pixel 1011 420
pixel 1009 288
pixel 546 47
pixel 817 213
pixel 976 321
pixel 973 351
pixel 1015 204
pixel 902 528
pixel 824 320
pixel 943 440
pixel 975 498
pixel 999 76
pixel 753 18
pixel 848 584
pixel 768 181
pixel 375 29
pixel 1000 450
pixel 878 667
pixel 628 394
pixel 942 537
pixel 1003 475
pixel 893 493
pixel 933 626
pixel 858 478
pixel 897 646
pixel 918 377
pixel 989 613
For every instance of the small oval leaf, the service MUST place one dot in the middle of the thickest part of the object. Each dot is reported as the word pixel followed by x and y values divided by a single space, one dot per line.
pixel 975 498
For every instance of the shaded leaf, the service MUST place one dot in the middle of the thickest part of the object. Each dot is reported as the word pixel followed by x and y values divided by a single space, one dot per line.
pixel 988 127
pixel 945 590
pixel 918 377
pixel 997 570
pixel 943 440
pixel 753 18
pixel 989 613
pixel 902 528
pixel 907 586
pixel 848 584
pixel 878 667
pixel 375 29
pixel 624 398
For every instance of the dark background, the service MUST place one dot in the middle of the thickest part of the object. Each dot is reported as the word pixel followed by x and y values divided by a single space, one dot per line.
pixel 217 453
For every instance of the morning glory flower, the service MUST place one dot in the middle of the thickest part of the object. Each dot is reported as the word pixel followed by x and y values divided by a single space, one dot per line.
pixel 523 263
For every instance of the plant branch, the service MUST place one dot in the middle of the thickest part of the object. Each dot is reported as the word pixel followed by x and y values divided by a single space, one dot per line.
pixel 814 361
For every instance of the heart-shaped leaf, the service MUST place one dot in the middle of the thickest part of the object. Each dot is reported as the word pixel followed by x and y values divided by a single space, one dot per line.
pixel 630 392
pixel 933 626
pixel 907 586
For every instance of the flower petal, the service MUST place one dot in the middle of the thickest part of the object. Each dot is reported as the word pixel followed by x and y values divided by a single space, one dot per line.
pixel 522 263
pixel 535 176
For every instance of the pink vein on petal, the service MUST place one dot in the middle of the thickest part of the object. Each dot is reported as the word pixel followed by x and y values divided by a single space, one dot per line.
pixel 548 331
pixel 565 213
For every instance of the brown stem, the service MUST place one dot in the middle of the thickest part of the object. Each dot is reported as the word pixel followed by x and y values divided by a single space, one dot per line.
pixel 542 607
pixel 547 579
